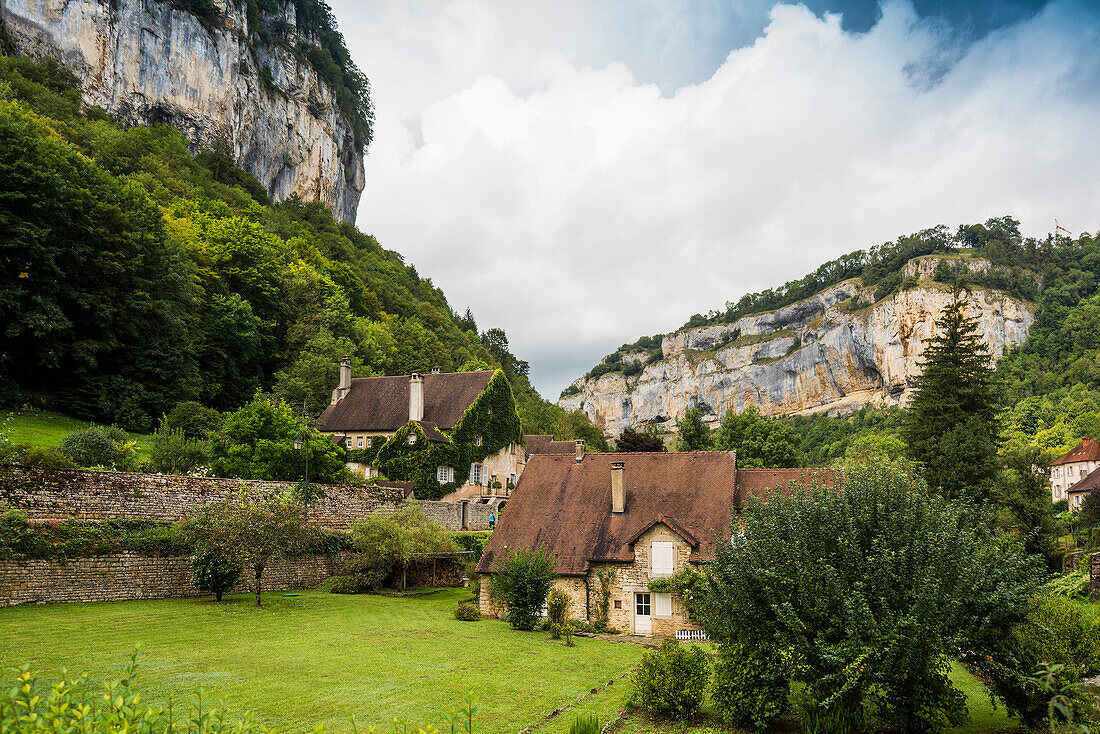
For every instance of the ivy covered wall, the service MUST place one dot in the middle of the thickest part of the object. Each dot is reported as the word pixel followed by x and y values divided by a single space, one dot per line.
pixel 492 416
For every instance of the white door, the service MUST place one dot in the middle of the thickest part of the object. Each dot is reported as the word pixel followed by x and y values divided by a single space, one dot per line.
pixel 643 614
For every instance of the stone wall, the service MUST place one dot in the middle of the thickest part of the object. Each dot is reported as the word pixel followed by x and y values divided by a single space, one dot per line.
pixel 127 575
pixel 106 495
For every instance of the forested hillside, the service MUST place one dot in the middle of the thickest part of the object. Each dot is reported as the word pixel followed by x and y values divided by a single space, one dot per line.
pixel 138 275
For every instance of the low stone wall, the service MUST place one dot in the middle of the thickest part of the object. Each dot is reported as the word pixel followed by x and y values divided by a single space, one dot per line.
pixel 126 576
pixel 108 495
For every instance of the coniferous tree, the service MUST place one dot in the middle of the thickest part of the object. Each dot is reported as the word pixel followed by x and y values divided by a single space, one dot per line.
pixel 694 433
pixel 951 423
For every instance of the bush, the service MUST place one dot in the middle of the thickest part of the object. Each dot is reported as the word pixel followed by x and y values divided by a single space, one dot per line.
pixel 88 447
pixel 467 612
pixel 521 585
pixel 750 687
pixel 557 606
pixel 195 420
pixel 214 572
pixel 33 457
pixel 1066 634
pixel 174 453
pixel 585 724
pixel 672 680
pixel 345 585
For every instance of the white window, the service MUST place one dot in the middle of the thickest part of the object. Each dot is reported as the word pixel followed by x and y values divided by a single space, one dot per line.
pixel 412 438
pixel 444 474
pixel 347 442
pixel 360 442
pixel 661 561
pixel 478 440
pixel 490 410
pixel 662 605
pixel 475 473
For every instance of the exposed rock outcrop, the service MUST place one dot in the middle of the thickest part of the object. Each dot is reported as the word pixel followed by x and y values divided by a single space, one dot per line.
pixel 146 62
pixel 834 352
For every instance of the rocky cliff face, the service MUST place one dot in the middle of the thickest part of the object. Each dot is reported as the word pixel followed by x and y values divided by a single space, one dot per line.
pixel 146 62
pixel 834 352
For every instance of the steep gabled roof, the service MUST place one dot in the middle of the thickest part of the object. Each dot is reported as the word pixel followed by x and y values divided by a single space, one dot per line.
pixel 1089 483
pixel 382 403
pixel 566 505
pixel 1087 450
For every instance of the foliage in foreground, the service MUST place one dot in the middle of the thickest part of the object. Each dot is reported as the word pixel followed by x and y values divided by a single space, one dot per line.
pixel 864 592
pixel 672 680
pixel 522 583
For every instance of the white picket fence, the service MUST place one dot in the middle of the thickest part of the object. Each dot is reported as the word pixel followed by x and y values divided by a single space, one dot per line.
pixel 691 635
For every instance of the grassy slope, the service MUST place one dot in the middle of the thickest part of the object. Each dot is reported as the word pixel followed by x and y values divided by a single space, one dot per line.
pixel 46 430
pixel 318 658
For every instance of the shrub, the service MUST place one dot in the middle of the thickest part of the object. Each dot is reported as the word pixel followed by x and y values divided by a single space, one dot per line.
pixel 88 447
pixel 672 680
pixel 750 686
pixel 557 606
pixel 1067 634
pixel 467 612
pixel 345 585
pixel 214 572
pixel 194 419
pixel 174 453
pixel 521 585
pixel 33 457
pixel 585 724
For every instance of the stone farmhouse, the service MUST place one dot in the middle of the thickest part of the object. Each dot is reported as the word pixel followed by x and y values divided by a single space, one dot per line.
pixel 453 436
pixel 642 516
pixel 1073 466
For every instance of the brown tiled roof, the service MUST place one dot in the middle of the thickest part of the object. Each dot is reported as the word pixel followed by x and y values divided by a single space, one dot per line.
pixel 1087 450
pixel 432 432
pixel 382 403
pixel 544 443
pixel 566 505
pixel 760 482
pixel 1089 483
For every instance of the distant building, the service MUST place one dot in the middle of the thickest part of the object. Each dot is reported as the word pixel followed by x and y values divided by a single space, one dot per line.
pixel 1073 466
pixel 641 516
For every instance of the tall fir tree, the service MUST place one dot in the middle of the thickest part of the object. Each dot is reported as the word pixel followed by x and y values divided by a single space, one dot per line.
pixel 694 433
pixel 951 426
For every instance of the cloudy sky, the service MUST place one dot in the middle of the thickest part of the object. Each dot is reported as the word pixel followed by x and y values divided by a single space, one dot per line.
pixel 582 173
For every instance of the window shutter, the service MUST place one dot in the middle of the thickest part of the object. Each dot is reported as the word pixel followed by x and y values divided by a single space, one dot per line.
pixel 662 605
pixel 661 561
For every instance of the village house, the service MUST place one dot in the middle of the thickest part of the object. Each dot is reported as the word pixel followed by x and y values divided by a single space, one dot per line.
pixel 639 516
pixel 1077 492
pixel 1073 466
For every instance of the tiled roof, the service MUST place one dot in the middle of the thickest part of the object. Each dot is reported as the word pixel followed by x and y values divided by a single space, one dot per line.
pixel 432 432
pixel 1089 483
pixel 382 403
pixel 566 505
pixel 543 443
pixel 1087 450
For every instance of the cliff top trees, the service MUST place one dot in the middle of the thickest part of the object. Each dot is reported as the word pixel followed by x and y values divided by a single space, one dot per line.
pixel 951 425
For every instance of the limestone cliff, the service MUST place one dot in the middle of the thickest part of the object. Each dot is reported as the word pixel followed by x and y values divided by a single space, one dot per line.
pixel 147 62
pixel 832 353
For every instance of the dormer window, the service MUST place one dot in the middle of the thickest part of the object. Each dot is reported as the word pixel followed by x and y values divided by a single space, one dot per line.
pixel 412 438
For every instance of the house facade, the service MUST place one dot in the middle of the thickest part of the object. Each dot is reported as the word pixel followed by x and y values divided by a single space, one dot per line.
pixel 453 435
pixel 1072 467
pixel 617 522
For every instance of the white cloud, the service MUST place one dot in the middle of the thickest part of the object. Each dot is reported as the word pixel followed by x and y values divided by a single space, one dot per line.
pixel 543 185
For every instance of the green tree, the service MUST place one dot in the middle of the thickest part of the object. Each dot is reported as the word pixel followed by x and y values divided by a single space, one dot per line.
pixel 575 425
pixel 951 426
pixel 521 583
pixel 694 434
pixel 257 442
pixel 633 441
pixel 389 544
pixel 867 590
pixel 759 442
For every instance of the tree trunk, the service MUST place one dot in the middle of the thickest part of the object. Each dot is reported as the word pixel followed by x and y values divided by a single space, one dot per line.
pixel 259 574
pixel 404 572
pixel 218 595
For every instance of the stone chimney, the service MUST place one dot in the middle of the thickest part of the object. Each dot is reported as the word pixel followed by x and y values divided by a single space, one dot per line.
pixel 618 490
pixel 580 450
pixel 436 370
pixel 416 397
pixel 345 381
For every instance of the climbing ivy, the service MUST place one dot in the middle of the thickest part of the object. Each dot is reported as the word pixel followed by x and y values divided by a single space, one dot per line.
pixel 492 415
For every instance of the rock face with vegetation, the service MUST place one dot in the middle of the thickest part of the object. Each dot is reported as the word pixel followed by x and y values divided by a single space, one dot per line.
pixel 834 351
pixel 269 79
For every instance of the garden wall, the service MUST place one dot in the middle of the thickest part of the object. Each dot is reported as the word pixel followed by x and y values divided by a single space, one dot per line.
pixel 107 495
pixel 127 575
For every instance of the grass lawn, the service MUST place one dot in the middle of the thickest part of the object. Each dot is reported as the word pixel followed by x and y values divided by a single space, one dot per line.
pixel 319 658
pixel 45 430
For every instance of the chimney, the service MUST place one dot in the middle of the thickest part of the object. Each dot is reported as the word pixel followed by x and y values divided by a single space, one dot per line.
pixel 416 397
pixel 618 491
pixel 580 450
pixel 345 381
pixel 436 370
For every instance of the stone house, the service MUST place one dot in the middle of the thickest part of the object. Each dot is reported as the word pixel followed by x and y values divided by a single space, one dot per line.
pixel 1073 466
pixel 641 516
pixel 454 435
pixel 1076 493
